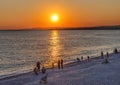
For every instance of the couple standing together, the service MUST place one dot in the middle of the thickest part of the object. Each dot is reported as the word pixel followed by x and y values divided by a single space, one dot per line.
pixel 60 64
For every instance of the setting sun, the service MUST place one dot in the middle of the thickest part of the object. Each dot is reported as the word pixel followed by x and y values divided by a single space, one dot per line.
pixel 54 18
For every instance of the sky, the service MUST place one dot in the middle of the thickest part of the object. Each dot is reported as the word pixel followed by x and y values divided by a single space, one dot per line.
pixel 20 14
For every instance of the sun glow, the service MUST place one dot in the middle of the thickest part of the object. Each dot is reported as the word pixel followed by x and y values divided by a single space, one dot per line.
pixel 54 18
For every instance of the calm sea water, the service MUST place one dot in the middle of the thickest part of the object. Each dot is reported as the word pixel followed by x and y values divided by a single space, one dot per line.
pixel 20 50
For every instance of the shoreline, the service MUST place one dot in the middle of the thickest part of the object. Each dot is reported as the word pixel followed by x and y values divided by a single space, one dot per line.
pixel 69 64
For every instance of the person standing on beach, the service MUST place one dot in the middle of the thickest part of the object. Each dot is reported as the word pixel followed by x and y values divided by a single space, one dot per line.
pixel 61 62
pixel 88 57
pixel 101 54
pixel 81 58
pixel 115 51
pixel 38 65
pixel 107 54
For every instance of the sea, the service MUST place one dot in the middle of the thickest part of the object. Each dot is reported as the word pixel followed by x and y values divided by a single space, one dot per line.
pixel 20 50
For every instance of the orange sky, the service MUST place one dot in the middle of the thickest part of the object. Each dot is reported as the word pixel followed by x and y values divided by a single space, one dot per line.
pixel 15 14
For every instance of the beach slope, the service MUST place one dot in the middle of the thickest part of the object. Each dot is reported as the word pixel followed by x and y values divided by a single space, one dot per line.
pixel 87 73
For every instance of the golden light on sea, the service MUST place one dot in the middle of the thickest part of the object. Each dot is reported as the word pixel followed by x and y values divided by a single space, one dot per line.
pixel 54 48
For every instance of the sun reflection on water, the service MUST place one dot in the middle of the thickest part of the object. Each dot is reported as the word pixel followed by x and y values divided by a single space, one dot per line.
pixel 54 48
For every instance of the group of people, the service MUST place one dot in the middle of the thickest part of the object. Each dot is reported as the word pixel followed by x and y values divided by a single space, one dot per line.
pixel 115 51
pixel 81 59
pixel 102 54
pixel 60 64
pixel 105 56
pixel 38 69
pixel 78 59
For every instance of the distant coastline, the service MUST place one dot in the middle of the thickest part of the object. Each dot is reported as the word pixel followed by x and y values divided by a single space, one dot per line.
pixel 117 27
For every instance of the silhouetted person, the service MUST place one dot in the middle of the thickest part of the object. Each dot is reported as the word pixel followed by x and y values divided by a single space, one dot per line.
pixel 102 54
pixel 43 70
pixel 36 71
pixel 88 58
pixel 81 58
pixel 78 59
pixel 107 54
pixel 61 62
pixel 115 51
pixel 38 65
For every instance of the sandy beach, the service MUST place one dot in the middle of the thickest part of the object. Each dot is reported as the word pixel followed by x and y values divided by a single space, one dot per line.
pixel 85 73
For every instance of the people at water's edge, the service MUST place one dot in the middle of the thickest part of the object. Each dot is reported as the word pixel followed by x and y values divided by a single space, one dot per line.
pixel 60 63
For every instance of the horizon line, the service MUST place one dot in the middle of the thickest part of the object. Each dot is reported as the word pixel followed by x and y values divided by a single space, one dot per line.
pixel 59 28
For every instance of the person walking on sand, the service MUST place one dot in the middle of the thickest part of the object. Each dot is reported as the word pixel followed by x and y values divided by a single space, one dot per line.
pixel 61 62
pixel 101 54
pixel 38 65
